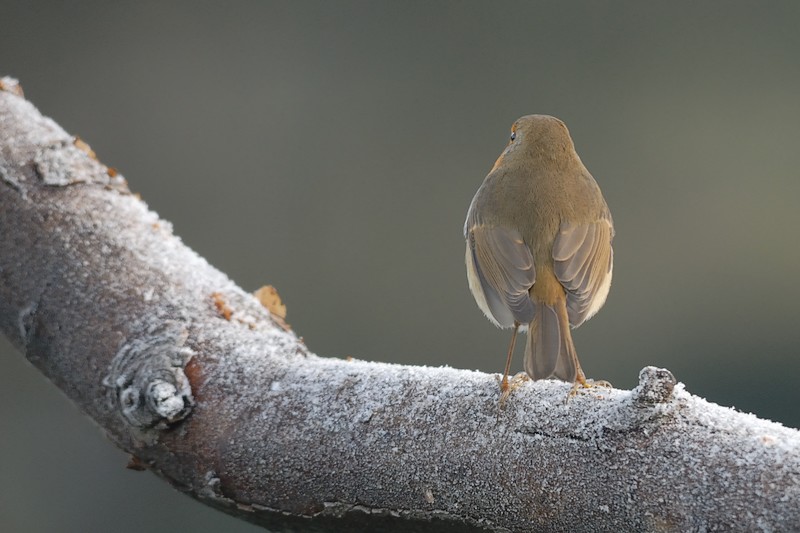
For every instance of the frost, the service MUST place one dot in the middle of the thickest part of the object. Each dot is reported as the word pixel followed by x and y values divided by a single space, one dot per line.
pixel 168 402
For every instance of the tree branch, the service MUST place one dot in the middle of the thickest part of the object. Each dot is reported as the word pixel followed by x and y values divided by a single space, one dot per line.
pixel 195 379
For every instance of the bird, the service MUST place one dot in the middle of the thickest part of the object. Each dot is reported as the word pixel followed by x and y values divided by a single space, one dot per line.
pixel 539 248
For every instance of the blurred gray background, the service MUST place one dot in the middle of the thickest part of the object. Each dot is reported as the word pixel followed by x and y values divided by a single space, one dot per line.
pixel 332 148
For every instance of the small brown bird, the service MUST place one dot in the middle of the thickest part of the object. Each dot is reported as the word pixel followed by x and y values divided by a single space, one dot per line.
pixel 539 251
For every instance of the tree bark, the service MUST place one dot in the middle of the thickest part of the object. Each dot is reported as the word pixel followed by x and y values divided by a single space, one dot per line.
pixel 203 386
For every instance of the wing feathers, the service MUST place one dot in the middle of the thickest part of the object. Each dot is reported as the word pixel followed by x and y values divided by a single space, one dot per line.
pixel 583 265
pixel 504 267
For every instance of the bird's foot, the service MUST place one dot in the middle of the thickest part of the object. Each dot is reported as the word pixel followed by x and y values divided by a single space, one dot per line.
pixel 582 384
pixel 506 387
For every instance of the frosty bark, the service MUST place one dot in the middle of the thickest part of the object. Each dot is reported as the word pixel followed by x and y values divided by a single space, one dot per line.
pixel 118 313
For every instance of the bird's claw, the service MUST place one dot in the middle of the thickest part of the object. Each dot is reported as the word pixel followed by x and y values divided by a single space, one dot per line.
pixel 506 387
pixel 581 384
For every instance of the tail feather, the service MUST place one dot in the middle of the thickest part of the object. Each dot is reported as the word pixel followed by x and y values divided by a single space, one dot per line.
pixel 549 350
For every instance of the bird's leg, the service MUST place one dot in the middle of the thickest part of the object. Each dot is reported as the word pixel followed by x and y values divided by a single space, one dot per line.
pixel 504 388
pixel 504 383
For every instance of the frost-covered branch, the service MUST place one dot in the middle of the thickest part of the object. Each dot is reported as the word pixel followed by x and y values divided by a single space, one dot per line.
pixel 197 380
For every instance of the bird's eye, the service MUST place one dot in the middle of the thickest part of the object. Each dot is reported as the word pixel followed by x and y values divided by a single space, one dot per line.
pixel 513 135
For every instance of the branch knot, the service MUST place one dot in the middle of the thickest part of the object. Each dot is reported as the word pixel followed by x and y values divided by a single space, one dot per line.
pixel 655 386
pixel 146 379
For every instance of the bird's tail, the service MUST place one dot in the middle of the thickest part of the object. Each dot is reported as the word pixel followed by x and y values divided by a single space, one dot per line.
pixel 549 350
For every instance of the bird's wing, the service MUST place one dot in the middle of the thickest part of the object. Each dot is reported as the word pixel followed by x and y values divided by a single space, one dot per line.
pixel 584 262
pixel 504 269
